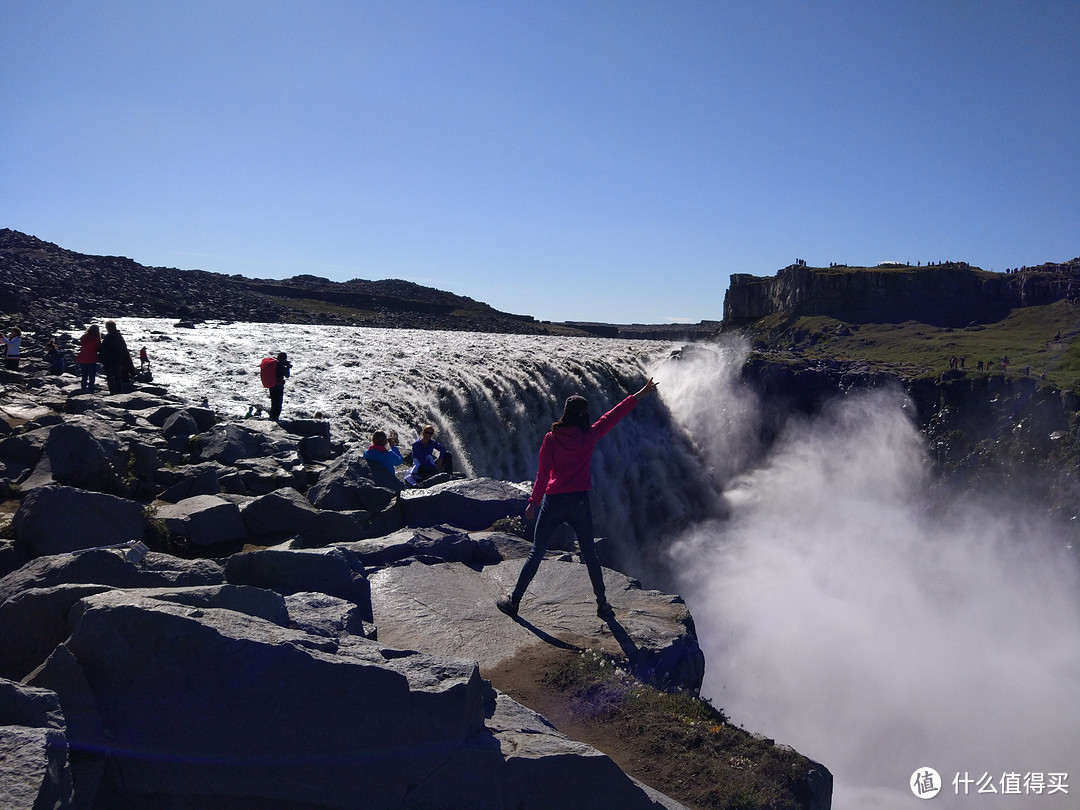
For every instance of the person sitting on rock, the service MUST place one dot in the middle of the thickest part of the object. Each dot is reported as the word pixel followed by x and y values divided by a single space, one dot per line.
pixel 425 461
pixel 562 489
pixel 57 363
pixel 380 453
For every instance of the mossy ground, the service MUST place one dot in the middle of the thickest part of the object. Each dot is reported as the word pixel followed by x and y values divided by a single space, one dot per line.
pixel 674 742
pixel 1026 336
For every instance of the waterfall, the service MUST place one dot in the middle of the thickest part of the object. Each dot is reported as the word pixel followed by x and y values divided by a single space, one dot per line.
pixel 491 398
pixel 839 612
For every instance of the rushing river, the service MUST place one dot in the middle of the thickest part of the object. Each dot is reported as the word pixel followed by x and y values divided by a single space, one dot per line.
pixel 838 612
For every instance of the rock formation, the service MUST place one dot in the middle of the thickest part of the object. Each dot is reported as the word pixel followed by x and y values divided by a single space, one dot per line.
pixel 941 295
pixel 204 614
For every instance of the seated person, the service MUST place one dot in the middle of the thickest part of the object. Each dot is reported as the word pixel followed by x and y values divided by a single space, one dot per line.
pixel 425 461
pixel 379 453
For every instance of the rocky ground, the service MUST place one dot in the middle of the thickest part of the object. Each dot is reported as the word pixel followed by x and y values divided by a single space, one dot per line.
pixel 203 613
pixel 45 288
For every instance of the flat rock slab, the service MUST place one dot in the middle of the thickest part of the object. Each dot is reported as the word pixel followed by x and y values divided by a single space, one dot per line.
pixel 449 609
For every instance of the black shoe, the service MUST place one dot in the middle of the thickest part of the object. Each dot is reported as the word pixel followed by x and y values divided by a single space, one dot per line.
pixel 604 610
pixel 507 606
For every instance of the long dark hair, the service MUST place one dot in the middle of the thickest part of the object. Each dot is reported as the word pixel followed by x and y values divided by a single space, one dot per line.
pixel 575 414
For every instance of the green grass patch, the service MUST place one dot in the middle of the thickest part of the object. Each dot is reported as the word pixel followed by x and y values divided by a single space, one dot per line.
pixel 702 760
pixel 1026 336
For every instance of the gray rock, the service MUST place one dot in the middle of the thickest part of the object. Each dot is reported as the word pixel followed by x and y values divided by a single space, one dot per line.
pixel 328 616
pixel 472 504
pixel 332 571
pixel 280 514
pixel 297 719
pixel 112 568
pixel 262 475
pixel 34 769
pixel 33 622
pixel 439 543
pixel 55 519
pixel 347 484
pixel 229 442
pixel 450 608
pixel 547 769
pixel 205 520
pixel 180 424
pixel 24 448
pixel 187 482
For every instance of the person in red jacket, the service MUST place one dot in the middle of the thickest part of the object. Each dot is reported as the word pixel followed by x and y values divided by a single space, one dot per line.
pixel 88 357
pixel 561 490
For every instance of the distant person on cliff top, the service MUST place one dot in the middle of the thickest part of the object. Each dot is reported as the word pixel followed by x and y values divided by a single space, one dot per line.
pixel 273 372
pixel 114 356
pixel 562 489
pixel 12 344
pixel 87 358
pixel 429 457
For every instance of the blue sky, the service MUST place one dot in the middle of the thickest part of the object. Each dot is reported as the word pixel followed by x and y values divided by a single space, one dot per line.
pixel 609 161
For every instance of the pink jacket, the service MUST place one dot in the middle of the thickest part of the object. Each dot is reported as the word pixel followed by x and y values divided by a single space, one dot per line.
pixel 566 455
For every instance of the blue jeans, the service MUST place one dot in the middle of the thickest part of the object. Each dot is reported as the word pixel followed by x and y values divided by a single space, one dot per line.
pixel 572 508
pixel 89 376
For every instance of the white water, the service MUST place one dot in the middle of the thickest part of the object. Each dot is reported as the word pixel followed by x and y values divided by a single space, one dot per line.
pixel 838 613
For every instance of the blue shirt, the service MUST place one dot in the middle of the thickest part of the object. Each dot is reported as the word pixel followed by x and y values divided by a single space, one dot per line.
pixel 389 458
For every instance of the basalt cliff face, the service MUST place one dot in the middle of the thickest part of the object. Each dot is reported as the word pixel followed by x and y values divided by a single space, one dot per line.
pixel 951 294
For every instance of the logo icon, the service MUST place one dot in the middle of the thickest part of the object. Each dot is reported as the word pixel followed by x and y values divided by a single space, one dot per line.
pixel 925 783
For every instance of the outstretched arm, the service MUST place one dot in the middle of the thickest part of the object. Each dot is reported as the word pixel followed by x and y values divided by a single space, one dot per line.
pixel 649 387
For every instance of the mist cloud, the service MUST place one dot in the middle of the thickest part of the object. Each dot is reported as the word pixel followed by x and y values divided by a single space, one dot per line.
pixel 841 614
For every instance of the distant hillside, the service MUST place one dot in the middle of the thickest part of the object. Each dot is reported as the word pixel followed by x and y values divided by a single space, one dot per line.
pixel 947 295
pixel 50 287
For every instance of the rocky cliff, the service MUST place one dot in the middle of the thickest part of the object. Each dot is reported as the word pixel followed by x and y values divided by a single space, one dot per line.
pixel 951 294
pixel 199 613
pixel 48 288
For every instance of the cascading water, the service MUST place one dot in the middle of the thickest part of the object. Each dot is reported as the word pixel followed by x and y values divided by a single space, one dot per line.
pixel 838 612
pixel 491 397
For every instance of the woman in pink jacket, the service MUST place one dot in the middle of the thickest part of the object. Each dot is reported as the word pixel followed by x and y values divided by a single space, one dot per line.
pixel 562 492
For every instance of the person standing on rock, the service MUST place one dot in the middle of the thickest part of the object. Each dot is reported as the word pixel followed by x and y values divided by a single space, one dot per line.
pixel 562 489
pixel 113 354
pixel 274 371
pixel 12 343
pixel 87 358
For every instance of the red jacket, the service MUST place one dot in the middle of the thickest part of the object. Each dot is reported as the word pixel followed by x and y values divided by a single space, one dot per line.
pixel 88 349
pixel 566 454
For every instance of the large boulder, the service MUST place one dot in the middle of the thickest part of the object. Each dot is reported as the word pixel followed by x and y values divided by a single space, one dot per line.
pixel 189 481
pixel 34 770
pixel 280 514
pixel 113 568
pixel 84 454
pixel 209 707
pixel 332 571
pixel 229 442
pixel 547 769
pixel 472 504
pixel 450 608
pixel 348 484
pixel 205 520
pixel 55 519
pixel 33 622
pixel 436 544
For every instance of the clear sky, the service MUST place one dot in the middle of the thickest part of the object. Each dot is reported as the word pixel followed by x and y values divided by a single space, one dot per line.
pixel 609 160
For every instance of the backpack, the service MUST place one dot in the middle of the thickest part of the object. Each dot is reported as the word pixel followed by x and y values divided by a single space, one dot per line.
pixel 268 371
